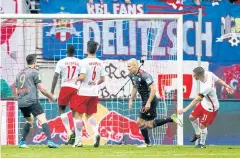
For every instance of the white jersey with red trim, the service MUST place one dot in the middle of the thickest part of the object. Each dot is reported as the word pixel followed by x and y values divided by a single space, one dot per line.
pixel 69 68
pixel 93 68
pixel 208 91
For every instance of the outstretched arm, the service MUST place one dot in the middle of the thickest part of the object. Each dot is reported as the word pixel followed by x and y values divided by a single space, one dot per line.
pixel 228 88
pixel 54 82
pixel 44 91
pixel 192 104
pixel 221 82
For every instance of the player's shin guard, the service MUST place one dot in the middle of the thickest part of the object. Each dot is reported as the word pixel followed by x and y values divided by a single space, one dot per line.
pixel 78 130
pixel 160 122
pixel 203 136
pixel 144 131
pixel 65 121
pixel 94 125
pixel 195 125
pixel 25 131
pixel 46 130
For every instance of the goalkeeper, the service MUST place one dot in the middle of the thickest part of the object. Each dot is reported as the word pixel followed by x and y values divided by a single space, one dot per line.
pixel 144 84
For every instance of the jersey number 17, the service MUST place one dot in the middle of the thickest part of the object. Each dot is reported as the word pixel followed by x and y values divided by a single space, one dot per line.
pixel 71 69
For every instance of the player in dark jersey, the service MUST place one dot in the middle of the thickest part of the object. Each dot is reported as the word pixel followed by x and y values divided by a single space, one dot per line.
pixel 28 81
pixel 143 84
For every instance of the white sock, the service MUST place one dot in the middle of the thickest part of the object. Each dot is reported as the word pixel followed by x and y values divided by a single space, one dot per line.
pixel 78 129
pixel 65 121
pixel 195 125
pixel 203 136
pixel 94 125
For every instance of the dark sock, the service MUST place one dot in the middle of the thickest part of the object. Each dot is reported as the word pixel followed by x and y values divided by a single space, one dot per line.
pixel 144 131
pixel 160 122
pixel 46 130
pixel 25 131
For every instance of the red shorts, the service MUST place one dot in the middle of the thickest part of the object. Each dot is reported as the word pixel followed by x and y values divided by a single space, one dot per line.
pixel 65 95
pixel 84 104
pixel 206 118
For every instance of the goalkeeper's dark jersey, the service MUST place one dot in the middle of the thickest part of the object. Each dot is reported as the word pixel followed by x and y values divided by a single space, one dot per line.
pixel 26 84
pixel 142 81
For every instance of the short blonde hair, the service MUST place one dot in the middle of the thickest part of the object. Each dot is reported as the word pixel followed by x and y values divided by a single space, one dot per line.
pixel 133 62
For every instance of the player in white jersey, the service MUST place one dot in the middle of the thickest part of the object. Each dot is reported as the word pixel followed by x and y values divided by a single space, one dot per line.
pixel 206 102
pixel 69 69
pixel 86 100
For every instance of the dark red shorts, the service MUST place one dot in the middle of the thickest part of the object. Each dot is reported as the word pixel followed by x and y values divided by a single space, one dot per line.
pixel 66 95
pixel 206 118
pixel 84 104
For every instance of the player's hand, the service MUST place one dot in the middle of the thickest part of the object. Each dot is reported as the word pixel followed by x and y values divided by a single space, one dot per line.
pixel 230 90
pixel 147 106
pixel 130 104
pixel 181 111
pixel 52 98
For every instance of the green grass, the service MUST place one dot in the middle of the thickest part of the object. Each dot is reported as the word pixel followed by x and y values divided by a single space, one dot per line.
pixel 121 151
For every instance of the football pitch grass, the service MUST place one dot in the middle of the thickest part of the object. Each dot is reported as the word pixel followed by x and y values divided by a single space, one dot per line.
pixel 121 151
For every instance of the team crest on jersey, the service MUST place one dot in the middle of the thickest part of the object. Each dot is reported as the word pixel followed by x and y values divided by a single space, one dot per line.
pixel 230 30
pixel 63 28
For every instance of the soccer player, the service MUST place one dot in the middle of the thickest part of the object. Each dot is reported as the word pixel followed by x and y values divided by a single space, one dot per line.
pixel 143 84
pixel 27 83
pixel 69 69
pixel 206 102
pixel 92 75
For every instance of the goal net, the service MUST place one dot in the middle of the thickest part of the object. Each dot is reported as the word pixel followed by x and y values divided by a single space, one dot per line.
pixel 156 41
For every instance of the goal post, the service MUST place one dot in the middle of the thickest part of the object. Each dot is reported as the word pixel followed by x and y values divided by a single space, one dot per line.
pixel 157 65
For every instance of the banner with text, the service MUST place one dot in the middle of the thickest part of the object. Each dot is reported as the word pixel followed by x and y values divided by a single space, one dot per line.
pixel 120 40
